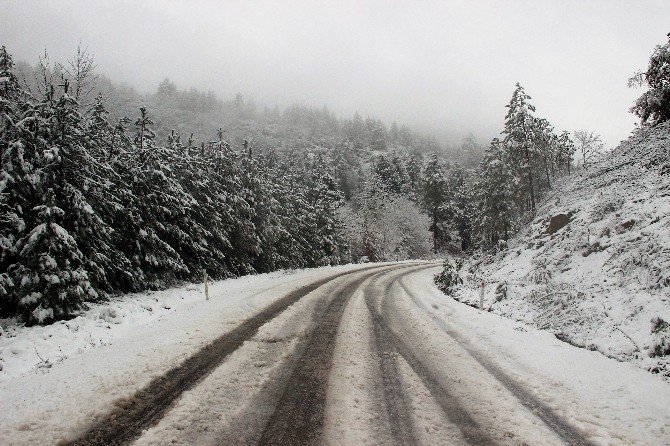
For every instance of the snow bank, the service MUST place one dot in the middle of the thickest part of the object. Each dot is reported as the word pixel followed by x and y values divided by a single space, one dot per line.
pixel 602 281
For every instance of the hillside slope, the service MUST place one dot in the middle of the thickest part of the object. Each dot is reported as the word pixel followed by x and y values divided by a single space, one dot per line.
pixel 602 281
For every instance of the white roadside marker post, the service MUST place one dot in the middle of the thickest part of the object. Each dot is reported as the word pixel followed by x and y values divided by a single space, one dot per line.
pixel 206 285
pixel 481 296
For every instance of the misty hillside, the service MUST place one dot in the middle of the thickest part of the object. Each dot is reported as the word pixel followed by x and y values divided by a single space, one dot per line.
pixel 601 281
pixel 102 193
pixel 198 114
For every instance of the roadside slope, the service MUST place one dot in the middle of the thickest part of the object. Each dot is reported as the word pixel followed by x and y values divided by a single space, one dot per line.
pixel 602 281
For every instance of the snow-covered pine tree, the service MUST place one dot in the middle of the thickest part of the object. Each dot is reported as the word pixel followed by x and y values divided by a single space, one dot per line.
pixel 9 96
pixel 159 199
pixel 414 174
pixel 325 199
pixel 519 141
pixel 399 181
pixel 283 243
pixel 459 203
pixel 12 201
pixel 51 280
pixel 21 186
pixel 494 196
pixel 201 245
pixel 435 196
pixel 113 202
pixel 80 181
pixel 346 161
pixel 392 173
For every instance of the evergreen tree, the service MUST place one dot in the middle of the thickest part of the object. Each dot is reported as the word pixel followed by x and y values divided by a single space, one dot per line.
pixel 414 173
pixel 14 192
pixel 159 201
pixel 51 279
pixel 519 138
pixel 325 199
pixel 654 104
pixel 79 181
pixel 435 195
pixel 494 196
pixel 459 204
pixel 113 202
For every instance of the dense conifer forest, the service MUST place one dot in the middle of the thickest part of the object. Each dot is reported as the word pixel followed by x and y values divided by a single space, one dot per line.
pixel 105 190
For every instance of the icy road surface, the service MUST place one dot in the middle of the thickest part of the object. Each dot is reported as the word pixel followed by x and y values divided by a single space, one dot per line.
pixel 364 355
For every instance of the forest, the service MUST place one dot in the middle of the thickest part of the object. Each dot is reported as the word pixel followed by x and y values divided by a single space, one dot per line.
pixel 104 190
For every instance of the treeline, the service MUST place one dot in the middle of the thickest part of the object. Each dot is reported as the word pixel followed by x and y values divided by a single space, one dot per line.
pixel 92 203
pixel 90 207
pixel 198 114
pixel 517 170
pixel 480 201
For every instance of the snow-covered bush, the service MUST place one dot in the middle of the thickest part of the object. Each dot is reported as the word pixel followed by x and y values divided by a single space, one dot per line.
pixel 448 278
pixel 660 345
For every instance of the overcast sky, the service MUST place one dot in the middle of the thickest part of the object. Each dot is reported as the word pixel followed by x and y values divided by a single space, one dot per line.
pixel 449 66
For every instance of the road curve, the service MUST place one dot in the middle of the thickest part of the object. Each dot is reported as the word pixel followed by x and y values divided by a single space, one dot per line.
pixel 353 359
pixel 126 422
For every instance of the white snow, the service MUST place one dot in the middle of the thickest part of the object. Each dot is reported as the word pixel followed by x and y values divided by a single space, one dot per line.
pixel 352 413
pixel 57 379
pixel 603 281
pixel 97 360
pixel 233 403
pixel 614 403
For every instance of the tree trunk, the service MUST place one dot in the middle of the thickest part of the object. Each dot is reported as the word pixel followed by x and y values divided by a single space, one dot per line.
pixel 530 179
pixel 435 230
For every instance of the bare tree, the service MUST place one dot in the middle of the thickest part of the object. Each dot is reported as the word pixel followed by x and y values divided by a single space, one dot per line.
pixel 589 144
pixel 81 72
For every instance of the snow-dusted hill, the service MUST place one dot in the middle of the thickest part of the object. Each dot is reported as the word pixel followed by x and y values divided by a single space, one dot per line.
pixel 602 281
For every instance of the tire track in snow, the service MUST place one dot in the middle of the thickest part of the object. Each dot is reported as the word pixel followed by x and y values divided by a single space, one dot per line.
pixel 395 400
pixel 299 415
pixel 471 431
pixel 147 406
pixel 566 431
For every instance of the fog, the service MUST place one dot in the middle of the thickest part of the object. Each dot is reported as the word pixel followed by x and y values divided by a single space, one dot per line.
pixel 444 67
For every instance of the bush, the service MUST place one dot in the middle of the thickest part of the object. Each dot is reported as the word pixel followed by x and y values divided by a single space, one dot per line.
pixel 661 344
pixel 448 277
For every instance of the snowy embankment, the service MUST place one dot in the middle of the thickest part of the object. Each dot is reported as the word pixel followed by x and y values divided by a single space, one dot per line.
pixel 602 281
pixel 612 403
pixel 57 379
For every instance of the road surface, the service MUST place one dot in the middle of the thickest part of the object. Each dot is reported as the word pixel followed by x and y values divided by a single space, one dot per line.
pixel 354 359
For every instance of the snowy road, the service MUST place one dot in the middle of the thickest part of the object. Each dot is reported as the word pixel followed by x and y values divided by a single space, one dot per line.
pixel 377 356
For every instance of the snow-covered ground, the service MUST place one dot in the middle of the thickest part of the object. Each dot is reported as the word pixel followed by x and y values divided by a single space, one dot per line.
pixel 603 281
pixel 504 381
pixel 57 379
pixel 613 403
